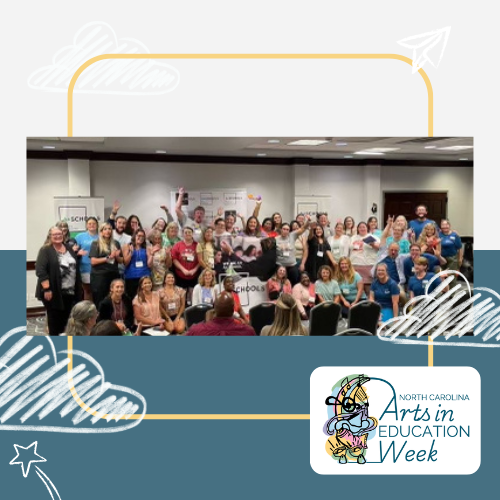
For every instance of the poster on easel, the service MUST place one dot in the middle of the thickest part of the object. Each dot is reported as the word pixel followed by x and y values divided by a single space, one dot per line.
pixel 76 210
pixel 232 201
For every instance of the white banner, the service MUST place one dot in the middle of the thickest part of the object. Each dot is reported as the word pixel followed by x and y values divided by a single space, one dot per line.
pixel 232 201
pixel 311 205
pixel 75 211
pixel 251 290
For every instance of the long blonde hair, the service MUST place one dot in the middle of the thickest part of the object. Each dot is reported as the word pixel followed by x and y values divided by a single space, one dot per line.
pixel 422 240
pixel 105 246
pixel 349 277
pixel 287 318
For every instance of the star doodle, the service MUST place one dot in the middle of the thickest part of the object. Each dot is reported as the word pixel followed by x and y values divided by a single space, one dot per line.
pixel 21 461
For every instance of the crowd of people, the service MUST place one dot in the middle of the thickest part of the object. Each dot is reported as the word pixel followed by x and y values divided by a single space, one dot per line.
pixel 137 277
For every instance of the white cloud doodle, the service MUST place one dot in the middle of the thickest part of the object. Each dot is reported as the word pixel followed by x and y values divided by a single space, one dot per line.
pixel 34 384
pixel 111 76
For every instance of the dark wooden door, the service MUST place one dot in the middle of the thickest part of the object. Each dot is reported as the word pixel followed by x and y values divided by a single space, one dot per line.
pixel 405 204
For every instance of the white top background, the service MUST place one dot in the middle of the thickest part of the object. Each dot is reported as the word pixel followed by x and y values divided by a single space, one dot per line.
pixel 261 98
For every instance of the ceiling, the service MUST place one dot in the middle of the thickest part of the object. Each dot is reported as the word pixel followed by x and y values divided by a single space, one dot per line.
pixel 340 148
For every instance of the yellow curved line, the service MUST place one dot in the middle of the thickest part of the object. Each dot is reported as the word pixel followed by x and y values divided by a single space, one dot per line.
pixel 430 353
pixel 160 416
pixel 85 65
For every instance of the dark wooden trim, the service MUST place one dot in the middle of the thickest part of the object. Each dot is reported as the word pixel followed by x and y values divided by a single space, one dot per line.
pixel 237 160
pixel 33 312
pixel 30 265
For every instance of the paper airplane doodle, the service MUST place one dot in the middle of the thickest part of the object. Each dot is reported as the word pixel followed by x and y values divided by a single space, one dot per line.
pixel 22 457
pixel 423 44
pixel 111 76
pixel 39 383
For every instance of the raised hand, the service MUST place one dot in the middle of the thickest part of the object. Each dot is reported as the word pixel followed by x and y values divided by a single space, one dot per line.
pixel 116 206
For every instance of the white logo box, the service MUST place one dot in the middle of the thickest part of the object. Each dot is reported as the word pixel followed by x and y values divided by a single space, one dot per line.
pixel 440 445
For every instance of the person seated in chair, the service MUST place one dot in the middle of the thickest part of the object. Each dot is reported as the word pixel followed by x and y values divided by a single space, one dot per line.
pixel 223 324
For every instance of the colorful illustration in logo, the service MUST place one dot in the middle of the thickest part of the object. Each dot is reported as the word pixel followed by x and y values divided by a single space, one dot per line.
pixel 349 425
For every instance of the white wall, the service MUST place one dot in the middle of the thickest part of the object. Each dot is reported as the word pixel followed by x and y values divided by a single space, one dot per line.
pixel 457 181
pixel 143 187
pixel 44 180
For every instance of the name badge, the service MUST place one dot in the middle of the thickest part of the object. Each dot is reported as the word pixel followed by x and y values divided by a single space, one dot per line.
pixel 286 254
pixel 211 262
pixel 452 238
pixel 190 258
pixel 424 282
pixel 387 292
pixel 197 232
pixel 172 306
pixel 319 254
pixel 207 300
pixel 111 261
pixel 312 299
pixel 345 291
pixel 412 269
pixel 139 263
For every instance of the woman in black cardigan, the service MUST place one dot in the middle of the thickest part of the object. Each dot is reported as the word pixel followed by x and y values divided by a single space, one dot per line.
pixel 118 307
pixel 59 284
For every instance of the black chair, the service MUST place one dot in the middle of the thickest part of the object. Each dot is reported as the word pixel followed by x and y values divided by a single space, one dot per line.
pixel 364 316
pixel 324 319
pixel 261 316
pixel 196 314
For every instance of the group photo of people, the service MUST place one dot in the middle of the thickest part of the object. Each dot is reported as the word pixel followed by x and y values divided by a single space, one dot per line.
pixel 127 276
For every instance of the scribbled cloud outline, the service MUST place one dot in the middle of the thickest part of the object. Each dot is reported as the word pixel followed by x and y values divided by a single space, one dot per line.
pixel 34 382
pixel 448 315
pixel 112 76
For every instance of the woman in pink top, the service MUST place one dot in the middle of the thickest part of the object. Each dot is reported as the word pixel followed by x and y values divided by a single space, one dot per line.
pixel 147 309
pixel 304 294
pixel 278 284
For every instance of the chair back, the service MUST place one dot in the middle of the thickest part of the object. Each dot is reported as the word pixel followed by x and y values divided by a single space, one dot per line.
pixel 364 316
pixel 324 319
pixel 196 314
pixel 261 315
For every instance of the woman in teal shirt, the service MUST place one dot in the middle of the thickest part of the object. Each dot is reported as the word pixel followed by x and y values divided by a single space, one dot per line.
pixel 350 284
pixel 327 289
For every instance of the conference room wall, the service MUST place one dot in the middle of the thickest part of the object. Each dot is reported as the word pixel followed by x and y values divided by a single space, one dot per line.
pixel 457 181
pixel 143 187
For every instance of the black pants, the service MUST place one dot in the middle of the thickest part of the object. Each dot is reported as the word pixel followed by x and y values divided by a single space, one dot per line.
pixel 293 274
pixel 131 285
pixel 57 319
pixel 99 285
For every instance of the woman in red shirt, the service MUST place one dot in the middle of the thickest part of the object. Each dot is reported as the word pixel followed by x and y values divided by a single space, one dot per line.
pixel 185 260
pixel 239 313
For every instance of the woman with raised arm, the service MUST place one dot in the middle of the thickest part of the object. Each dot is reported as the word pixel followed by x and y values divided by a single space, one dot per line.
pixel 105 254
pixel 250 236
pixel 138 260
pixel 59 285
pixel 84 242
pixel 285 250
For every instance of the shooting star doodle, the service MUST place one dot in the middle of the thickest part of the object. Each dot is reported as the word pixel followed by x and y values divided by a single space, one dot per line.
pixel 45 479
